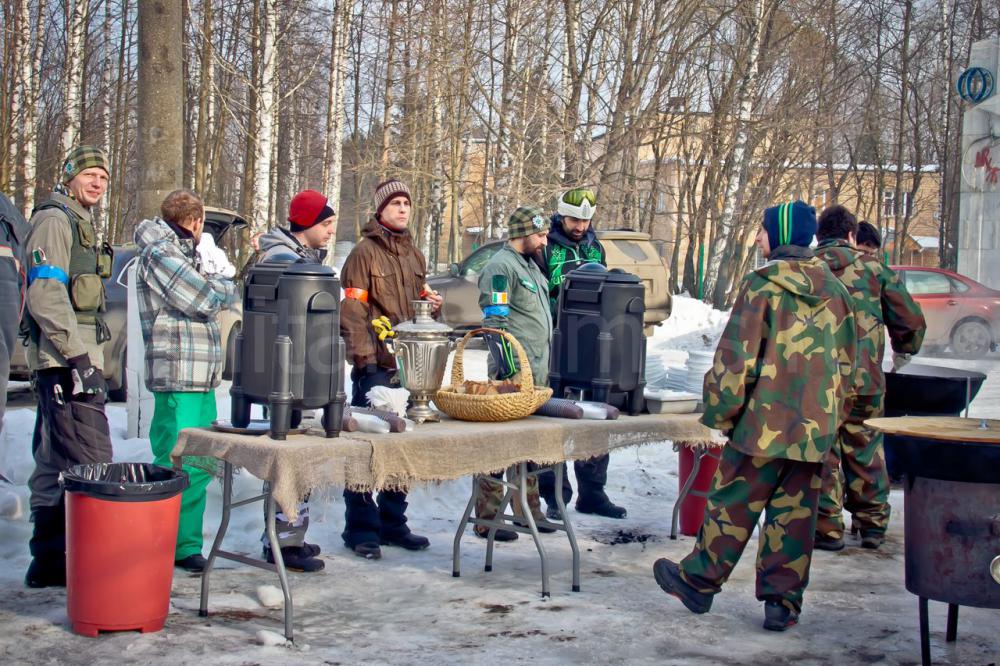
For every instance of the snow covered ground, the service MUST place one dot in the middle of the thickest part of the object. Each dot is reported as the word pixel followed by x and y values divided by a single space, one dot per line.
pixel 407 608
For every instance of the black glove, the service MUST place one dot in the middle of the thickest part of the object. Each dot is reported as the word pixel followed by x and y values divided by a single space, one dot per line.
pixel 87 380
pixel 503 355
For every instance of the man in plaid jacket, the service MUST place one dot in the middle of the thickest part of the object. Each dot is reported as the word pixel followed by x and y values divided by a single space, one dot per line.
pixel 178 308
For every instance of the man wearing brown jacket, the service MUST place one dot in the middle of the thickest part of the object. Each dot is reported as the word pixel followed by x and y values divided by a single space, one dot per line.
pixel 381 276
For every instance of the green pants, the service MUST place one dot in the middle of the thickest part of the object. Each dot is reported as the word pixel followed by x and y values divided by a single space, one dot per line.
pixel 787 492
pixel 172 413
pixel 858 479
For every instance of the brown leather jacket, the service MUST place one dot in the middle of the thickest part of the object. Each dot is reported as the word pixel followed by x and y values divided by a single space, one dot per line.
pixel 392 270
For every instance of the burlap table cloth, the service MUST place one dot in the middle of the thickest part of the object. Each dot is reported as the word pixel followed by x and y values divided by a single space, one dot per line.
pixel 431 452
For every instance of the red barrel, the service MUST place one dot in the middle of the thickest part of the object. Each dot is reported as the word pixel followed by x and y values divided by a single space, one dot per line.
pixel 692 513
pixel 121 530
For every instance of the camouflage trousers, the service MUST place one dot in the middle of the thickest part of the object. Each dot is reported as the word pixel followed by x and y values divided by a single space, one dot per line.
pixel 786 491
pixel 857 478
pixel 490 492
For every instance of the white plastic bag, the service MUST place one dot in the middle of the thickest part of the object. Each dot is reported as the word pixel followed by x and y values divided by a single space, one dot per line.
pixel 390 399
pixel 213 259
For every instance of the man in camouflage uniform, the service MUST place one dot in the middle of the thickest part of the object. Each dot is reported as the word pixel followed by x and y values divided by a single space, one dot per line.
pixel 572 243
pixel 869 239
pixel 782 371
pixel 65 299
pixel 514 297
pixel 880 302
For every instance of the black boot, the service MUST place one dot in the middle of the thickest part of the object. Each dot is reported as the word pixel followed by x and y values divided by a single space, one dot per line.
pixel 407 540
pixel 778 616
pixel 46 572
pixel 192 563
pixel 668 576
pixel 593 499
pixel 296 558
pixel 48 548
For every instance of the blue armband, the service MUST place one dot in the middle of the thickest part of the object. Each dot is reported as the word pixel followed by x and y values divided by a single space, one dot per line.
pixel 496 311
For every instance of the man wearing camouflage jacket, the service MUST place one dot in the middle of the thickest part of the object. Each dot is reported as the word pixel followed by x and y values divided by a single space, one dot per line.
pixel 66 335
pixel 880 302
pixel 178 310
pixel 782 372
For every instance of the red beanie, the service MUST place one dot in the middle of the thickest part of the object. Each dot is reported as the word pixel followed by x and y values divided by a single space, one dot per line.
pixel 307 208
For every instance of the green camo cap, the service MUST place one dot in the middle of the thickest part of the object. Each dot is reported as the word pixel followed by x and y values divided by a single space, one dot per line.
pixel 525 221
pixel 84 157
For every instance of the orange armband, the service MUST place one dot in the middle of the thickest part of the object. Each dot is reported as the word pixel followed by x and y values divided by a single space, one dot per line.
pixel 356 294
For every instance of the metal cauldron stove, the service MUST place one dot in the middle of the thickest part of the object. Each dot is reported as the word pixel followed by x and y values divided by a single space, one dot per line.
pixel 926 390
pixel 952 512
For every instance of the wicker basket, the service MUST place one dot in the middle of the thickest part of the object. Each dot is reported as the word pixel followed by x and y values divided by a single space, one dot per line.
pixel 499 407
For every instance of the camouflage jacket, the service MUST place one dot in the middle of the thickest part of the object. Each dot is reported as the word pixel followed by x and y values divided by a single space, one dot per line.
pixel 785 363
pixel 880 302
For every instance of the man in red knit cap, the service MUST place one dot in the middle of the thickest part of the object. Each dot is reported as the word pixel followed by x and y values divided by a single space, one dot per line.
pixel 312 222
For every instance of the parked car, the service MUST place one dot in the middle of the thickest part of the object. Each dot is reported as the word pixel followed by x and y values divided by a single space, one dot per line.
pixel 225 226
pixel 631 251
pixel 961 314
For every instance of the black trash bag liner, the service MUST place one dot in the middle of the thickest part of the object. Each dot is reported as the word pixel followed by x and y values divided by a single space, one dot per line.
pixel 124 482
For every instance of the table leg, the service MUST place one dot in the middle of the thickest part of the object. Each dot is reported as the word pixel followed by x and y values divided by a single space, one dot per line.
pixel 925 634
pixel 522 480
pixel 699 453
pixel 456 555
pixel 279 562
pixel 952 623
pixel 227 500
pixel 570 534
pixel 495 524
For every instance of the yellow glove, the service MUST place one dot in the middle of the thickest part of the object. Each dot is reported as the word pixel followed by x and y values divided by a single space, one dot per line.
pixel 383 327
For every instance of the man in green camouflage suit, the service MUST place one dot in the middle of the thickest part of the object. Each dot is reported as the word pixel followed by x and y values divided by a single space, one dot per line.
pixel 777 388
pixel 880 302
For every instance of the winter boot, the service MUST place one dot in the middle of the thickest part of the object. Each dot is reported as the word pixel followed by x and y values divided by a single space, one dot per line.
pixel 501 535
pixel 593 499
pixel 872 540
pixel 823 542
pixel 46 572
pixel 48 548
pixel 407 540
pixel 296 558
pixel 368 550
pixel 192 563
pixel 668 577
pixel 778 616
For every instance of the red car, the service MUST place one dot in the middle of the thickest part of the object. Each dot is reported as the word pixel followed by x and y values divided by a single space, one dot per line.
pixel 961 313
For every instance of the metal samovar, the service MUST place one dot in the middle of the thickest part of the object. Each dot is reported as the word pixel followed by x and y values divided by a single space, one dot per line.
pixel 421 347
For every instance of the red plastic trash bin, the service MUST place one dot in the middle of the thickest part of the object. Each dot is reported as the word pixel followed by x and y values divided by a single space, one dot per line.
pixel 692 513
pixel 121 530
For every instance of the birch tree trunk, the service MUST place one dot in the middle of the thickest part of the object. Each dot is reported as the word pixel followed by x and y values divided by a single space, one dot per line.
pixel 899 239
pixel 262 134
pixel 718 271
pixel 436 83
pixel 502 169
pixel 206 97
pixel 22 102
pixel 334 147
pixel 387 99
pixel 76 20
